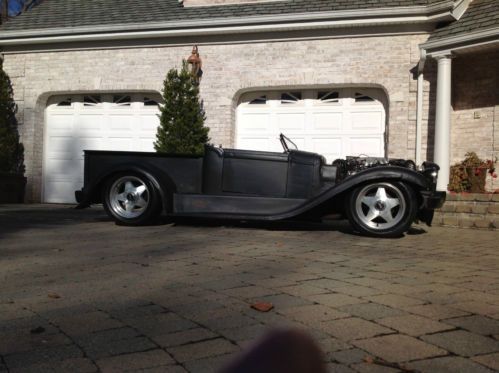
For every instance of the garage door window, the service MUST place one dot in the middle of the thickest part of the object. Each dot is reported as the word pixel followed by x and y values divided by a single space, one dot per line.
pixel 92 101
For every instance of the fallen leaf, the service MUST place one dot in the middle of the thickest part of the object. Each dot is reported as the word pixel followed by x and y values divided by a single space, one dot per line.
pixel 262 306
pixel 53 295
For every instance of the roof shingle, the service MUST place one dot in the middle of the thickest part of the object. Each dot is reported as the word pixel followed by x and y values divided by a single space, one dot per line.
pixel 81 13
pixel 480 15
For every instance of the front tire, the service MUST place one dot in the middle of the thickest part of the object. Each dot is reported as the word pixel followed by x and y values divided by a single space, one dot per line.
pixel 131 199
pixel 382 209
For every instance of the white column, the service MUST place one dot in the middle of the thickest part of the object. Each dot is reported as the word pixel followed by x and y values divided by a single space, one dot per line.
pixel 442 121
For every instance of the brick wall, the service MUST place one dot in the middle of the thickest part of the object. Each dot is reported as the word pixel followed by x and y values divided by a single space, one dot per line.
pixel 469 210
pixel 229 70
pixel 475 102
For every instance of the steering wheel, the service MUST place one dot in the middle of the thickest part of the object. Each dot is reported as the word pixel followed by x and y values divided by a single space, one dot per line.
pixel 284 142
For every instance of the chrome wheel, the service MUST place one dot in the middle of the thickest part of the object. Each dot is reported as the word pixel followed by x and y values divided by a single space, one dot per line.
pixel 380 206
pixel 129 197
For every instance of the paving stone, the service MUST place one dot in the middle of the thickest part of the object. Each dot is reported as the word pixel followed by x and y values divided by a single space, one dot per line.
pixel 414 325
pixel 159 324
pixel 394 300
pixel 300 290
pixel 135 361
pixel 200 350
pixel 347 357
pixel 335 299
pixel 338 368
pixel 43 355
pixel 233 321
pixel 184 337
pixel 118 347
pixel 353 328
pixel 436 311
pixel 244 333
pixel 208 365
pixel 399 348
pixel 357 290
pixel 490 360
pixel 481 308
pixel 477 324
pixel 281 301
pixel 311 314
pixel 248 292
pixel 463 343
pixel 88 323
pixel 333 344
pixel 25 341
pixel 450 364
pixel 371 311
pixel 373 368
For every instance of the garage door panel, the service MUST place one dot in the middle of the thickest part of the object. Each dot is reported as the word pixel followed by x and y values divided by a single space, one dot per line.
pixel 120 143
pixel 62 123
pixel 60 147
pixel 366 146
pixel 59 191
pixel 367 121
pixel 87 143
pixel 253 143
pixel 88 123
pixel 327 122
pixel 146 145
pixel 254 122
pixel 149 123
pixel 121 123
pixel 59 169
pixel 291 121
pixel 331 148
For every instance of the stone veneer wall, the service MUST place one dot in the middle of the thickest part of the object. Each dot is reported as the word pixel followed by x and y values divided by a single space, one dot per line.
pixel 229 70
pixel 469 210
pixel 475 101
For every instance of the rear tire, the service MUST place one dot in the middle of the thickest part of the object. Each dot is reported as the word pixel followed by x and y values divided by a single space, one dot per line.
pixel 382 209
pixel 131 199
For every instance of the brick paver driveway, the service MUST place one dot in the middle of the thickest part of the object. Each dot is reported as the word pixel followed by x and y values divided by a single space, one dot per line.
pixel 80 294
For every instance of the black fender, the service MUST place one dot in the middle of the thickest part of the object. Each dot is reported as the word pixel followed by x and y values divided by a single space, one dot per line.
pixel 159 178
pixel 381 173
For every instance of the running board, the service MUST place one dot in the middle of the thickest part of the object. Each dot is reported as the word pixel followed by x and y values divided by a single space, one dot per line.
pixel 187 204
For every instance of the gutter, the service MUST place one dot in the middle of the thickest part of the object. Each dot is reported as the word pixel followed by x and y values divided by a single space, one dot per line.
pixel 213 26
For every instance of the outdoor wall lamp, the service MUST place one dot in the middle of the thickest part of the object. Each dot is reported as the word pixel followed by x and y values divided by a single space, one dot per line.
pixel 196 64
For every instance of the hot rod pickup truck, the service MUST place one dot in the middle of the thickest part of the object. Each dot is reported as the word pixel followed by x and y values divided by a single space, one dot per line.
pixel 379 197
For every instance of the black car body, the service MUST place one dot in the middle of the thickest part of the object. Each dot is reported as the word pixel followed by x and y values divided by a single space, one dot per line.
pixel 255 185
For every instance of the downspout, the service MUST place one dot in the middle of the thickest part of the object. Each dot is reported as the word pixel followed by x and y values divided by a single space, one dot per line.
pixel 419 106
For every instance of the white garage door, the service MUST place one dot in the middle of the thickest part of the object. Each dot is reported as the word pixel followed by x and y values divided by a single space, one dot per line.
pixel 334 123
pixel 92 122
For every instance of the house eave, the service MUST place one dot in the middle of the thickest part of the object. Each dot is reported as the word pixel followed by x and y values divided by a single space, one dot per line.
pixel 448 45
pixel 348 18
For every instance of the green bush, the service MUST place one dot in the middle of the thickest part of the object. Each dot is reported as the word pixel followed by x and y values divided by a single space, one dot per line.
pixel 11 150
pixel 182 116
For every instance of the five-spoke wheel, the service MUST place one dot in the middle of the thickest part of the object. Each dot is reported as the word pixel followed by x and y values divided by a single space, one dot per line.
pixel 131 199
pixel 382 208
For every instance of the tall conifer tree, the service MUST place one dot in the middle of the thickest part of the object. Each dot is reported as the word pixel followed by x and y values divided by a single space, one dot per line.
pixel 182 116
pixel 11 150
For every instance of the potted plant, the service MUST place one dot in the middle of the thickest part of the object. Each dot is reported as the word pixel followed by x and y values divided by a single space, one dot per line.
pixel 12 180
pixel 470 175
